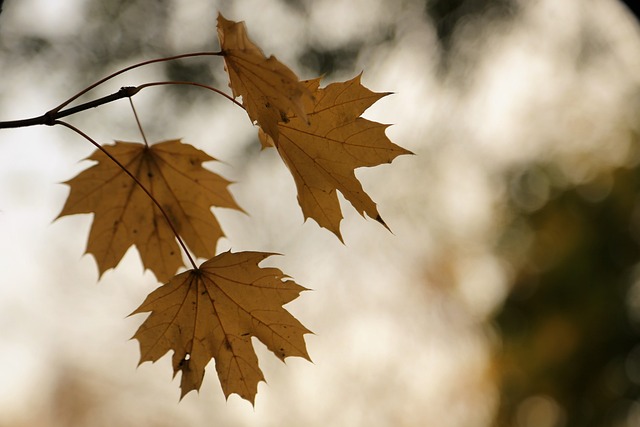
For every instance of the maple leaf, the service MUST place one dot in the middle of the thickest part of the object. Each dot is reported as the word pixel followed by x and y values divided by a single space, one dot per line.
pixel 125 215
pixel 212 312
pixel 323 150
pixel 269 89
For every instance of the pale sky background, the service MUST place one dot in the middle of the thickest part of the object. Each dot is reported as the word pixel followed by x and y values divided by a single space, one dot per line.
pixel 399 319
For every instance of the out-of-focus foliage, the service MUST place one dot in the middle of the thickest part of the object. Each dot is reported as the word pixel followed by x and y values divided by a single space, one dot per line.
pixel 447 15
pixel 570 327
pixel 450 17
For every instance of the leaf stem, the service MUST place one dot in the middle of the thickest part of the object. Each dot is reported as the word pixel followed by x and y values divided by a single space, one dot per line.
pixel 125 170
pixel 129 68
pixel 218 91
pixel 135 114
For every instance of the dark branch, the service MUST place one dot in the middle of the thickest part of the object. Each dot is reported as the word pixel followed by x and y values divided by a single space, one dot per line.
pixel 50 117
pixel 124 92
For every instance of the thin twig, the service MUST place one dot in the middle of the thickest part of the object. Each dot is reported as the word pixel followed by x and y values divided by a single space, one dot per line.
pixel 125 170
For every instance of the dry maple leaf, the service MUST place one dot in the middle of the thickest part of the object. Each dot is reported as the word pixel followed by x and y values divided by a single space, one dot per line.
pixel 212 312
pixel 323 151
pixel 269 89
pixel 124 215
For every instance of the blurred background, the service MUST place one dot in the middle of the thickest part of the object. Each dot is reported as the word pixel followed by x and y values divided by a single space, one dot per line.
pixel 507 295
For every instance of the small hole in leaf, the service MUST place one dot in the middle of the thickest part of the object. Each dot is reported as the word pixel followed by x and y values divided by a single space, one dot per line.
pixel 184 363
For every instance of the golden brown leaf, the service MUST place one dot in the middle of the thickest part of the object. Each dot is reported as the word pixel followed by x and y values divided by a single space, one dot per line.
pixel 125 215
pixel 269 89
pixel 212 312
pixel 323 151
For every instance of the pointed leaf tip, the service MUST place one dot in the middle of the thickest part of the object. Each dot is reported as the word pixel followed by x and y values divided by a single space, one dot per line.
pixel 270 91
pixel 323 155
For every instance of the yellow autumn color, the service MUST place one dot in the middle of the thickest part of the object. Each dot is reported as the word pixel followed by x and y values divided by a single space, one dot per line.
pixel 323 151
pixel 124 215
pixel 269 89
pixel 212 312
